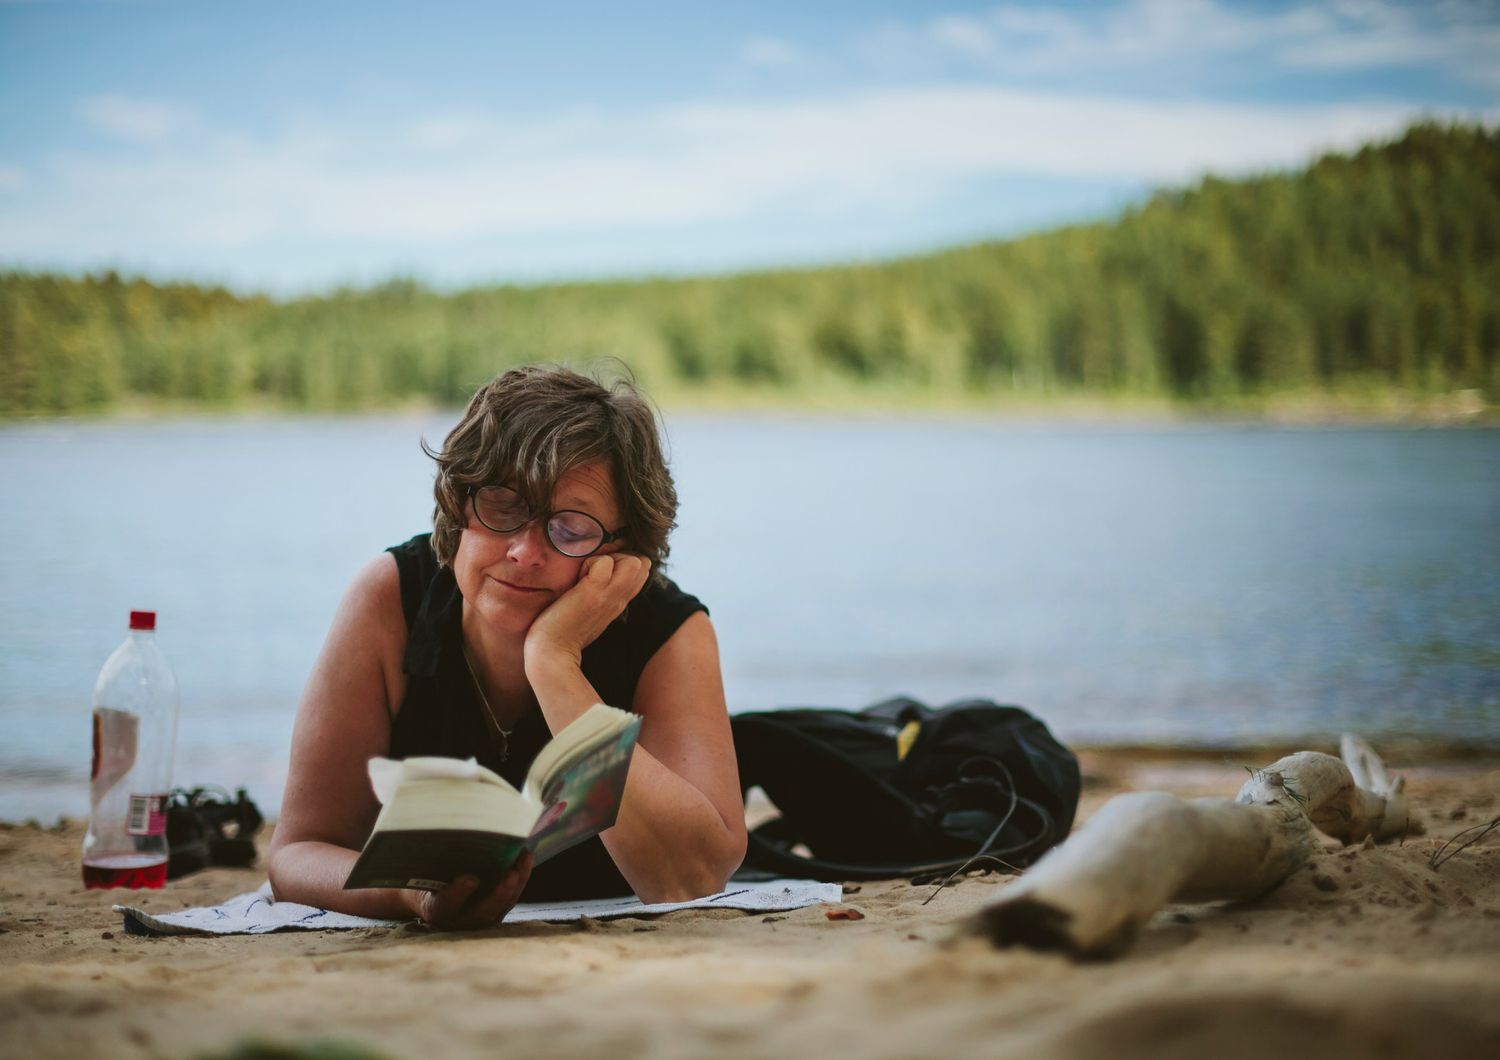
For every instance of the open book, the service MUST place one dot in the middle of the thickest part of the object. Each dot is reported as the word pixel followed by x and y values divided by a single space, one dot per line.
pixel 444 817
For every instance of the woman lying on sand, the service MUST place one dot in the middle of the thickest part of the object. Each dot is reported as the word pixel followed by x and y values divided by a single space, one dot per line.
pixel 538 593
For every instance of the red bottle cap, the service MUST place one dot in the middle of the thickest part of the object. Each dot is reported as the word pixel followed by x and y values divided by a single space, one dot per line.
pixel 143 620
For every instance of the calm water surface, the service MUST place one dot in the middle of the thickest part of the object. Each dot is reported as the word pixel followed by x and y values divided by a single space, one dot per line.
pixel 1181 584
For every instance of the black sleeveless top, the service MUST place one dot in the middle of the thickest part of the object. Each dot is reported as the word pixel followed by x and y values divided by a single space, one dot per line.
pixel 441 713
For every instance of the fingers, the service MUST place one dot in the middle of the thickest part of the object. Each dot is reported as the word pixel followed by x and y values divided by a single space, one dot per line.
pixel 599 568
pixel 440 909
pixel 462 906
pixel 606 585
pixel 491 908
pixel 624 568
pixel 620 575
pixel 640 570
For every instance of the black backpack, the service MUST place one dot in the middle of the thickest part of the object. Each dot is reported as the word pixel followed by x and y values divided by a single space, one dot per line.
pixel 975 778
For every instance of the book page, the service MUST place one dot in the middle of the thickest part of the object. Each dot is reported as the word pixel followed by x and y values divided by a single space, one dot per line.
pixel 388 774
pixel 449 804
pixel 597 725
pixel 447 793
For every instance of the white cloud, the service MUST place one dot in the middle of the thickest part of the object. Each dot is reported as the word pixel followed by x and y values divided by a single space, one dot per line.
pixel 140 121
pixel 442 132
pixel 963 34
pixel 1026 40
pixel 770 51
pixel 496 176
pixel 1461 37
pixel 1454 37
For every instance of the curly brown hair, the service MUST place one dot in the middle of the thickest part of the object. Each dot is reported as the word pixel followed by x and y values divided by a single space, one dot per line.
pixel 530 425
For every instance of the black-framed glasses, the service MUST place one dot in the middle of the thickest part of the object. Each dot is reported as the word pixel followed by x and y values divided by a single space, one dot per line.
pixel 575 534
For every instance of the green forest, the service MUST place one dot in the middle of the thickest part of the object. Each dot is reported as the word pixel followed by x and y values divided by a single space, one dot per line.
pixel 1376 272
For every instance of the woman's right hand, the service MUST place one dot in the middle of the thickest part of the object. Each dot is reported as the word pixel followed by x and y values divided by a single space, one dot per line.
pixel 460 907
pixel 606 584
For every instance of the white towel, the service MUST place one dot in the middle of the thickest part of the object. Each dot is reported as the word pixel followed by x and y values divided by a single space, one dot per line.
pixel 256 914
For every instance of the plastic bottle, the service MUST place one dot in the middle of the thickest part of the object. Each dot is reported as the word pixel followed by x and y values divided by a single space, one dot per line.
pixel 135 736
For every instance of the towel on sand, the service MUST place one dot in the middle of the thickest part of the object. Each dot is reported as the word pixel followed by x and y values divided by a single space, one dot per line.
pixel 256 914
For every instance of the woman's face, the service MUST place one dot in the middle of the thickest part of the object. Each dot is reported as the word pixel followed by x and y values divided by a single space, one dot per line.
pixel 509 579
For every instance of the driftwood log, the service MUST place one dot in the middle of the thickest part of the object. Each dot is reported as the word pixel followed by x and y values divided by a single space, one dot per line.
pixel 1091 895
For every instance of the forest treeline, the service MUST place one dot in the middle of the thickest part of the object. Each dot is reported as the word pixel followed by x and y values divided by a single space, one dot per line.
pixel 1379 269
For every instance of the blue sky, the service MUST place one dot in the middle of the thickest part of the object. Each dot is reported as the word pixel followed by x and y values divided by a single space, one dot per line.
pixel 298 146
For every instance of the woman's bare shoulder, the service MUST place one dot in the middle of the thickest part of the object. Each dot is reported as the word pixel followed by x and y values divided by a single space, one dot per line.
pixel 370 625
pixel 376 588
pixel 371 606
pixel 347 707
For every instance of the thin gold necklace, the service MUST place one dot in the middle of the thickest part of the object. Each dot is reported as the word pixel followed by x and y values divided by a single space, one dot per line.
pixel 489 710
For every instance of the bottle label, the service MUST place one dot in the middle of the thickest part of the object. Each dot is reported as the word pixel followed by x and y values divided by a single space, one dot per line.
pixel 116 733
pixel 147 816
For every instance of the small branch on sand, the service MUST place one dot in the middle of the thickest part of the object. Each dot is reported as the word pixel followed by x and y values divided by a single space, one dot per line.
pixel 1459 843
pixel 1090 896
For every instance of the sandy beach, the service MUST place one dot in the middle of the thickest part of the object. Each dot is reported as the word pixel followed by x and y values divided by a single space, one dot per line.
pixel 1369 953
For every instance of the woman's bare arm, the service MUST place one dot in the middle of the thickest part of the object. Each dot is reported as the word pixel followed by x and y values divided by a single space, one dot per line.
pixel 680 832
pixel 683 814
pixel 343 721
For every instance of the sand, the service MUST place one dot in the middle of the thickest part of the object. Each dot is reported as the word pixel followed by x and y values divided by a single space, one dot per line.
pixel 1368 953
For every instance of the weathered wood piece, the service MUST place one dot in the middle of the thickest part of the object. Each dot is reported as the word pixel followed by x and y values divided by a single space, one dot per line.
pixel 1091 895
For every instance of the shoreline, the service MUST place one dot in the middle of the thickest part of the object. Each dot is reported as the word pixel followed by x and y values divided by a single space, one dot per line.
pixel 1292 410
pixel 1126 763
pixel 1105 766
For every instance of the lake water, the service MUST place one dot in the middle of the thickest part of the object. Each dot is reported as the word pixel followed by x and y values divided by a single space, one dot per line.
pixel 1180 585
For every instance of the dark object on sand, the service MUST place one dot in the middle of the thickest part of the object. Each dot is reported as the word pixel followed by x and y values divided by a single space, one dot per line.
pixel 205 828
pixel 901 789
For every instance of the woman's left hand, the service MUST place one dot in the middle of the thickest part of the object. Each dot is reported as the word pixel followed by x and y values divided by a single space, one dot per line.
pixel 573 621
pixel 461 906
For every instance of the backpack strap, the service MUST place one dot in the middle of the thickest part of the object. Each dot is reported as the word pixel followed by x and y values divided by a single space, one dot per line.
pixel 769 846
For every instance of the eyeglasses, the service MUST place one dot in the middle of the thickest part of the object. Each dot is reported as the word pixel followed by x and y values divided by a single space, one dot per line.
pixel 575 534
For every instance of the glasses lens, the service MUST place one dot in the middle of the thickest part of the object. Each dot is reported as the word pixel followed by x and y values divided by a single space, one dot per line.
pixel 574 534
pixel 500 508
